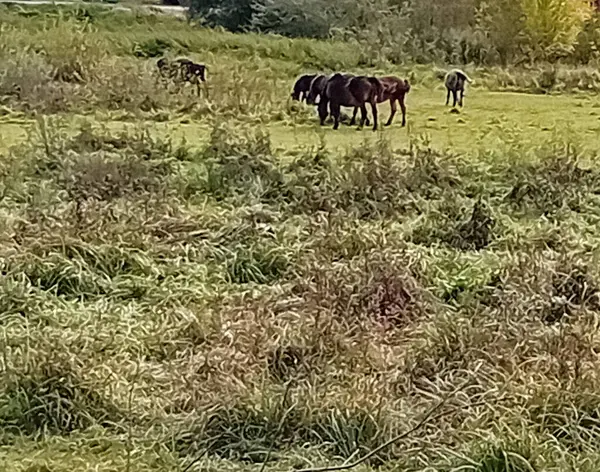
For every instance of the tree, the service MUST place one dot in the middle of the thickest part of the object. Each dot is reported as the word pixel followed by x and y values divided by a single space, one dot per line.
pixel 234 15
pixel 294 18
pixel 555 23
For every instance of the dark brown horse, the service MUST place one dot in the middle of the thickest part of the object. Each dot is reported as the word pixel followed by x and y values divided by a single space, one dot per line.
pixel 317 86
pixel 315 89
pixel 302 87
pixel 350 92
pixel 394 90
pixel 455 84
pixel 182 70
pixel 167 70
pixel 191 72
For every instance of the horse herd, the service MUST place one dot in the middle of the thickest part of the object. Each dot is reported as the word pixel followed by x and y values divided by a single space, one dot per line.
pixel 330 93
pixel 348 90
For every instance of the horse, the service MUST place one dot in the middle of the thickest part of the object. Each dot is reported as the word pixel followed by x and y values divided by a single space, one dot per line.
pixel 167 70
pixel 182 70
pixel 302 87
pixel 317 86
pixel 394 90
pixel 192 72
pixel 350 91
pixel 455 83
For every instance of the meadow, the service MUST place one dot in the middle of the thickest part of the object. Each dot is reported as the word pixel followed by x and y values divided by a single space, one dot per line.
pixel 221 284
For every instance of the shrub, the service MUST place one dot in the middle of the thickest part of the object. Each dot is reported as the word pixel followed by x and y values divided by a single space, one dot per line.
pixel 234 15
pixel 293 18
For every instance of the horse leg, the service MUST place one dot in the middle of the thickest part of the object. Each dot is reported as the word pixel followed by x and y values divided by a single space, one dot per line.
pixel 353 120
pixel 363 115
pixel 454 97
pixel 393 113
pixel 322 110
pixel 374 110
pixel 448 97
pixel 335 112
pixel 462 96
pixel 403 108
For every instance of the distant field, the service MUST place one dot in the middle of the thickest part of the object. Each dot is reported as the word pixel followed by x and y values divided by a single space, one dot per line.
pixel 212 284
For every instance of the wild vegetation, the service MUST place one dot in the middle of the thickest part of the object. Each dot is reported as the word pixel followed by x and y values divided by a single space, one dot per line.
pixel 237 300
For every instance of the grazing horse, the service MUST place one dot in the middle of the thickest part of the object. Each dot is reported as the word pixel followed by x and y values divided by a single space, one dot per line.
pixel 302 87
pixel 315 89
pixel 394 90
pixel 182 70
pixel 191 72
pixel 317 86
pixel 167 70
pixel 455 83
pixel 350 91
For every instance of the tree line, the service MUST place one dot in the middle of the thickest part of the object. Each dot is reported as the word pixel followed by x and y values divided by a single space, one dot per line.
pixel 459 32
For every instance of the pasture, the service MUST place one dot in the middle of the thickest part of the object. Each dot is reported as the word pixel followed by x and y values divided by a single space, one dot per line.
pixel 194 283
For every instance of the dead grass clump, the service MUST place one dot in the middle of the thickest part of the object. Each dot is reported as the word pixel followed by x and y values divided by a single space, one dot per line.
pixel 245 431
pixel 499 459
pixel 52 399
pixel 240 163
pixel 444 347
pixel 103 177
pixel 454 225
pixel 557 181
pixel 141 142
pixel 57 275
pixel 573 290
pixel 310 182
pixel 373 182
pixel 16 297
pixel 257 263
pixel 379 289
pixel 572 418
pixel 286 362
pixel 431 174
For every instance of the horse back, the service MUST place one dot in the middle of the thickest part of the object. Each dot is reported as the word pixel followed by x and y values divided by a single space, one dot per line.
pixel 304 82
pixel 338 91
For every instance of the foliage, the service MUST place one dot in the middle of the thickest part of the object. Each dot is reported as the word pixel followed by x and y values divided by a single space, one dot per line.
pixel 234 15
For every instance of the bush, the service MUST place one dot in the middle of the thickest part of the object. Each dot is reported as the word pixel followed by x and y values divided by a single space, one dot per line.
pixel 293 18
pixel 235 15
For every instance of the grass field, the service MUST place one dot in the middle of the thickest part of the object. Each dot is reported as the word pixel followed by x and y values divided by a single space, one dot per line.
pixel 192 284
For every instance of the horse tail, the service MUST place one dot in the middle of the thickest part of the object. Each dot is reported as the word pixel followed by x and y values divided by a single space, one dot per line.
pixel 463 76
pixel 379 91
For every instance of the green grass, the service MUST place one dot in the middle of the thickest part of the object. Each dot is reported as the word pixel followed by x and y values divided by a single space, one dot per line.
pixel 172 266
pixel 489 119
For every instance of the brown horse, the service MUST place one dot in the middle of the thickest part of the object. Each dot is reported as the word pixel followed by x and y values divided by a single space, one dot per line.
pixel 182 70
pixel 167 70
pixel 302 87
pixel 191 72
pixel 455 84
pixel 394 90
pixel 317 86
pixel 350 91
